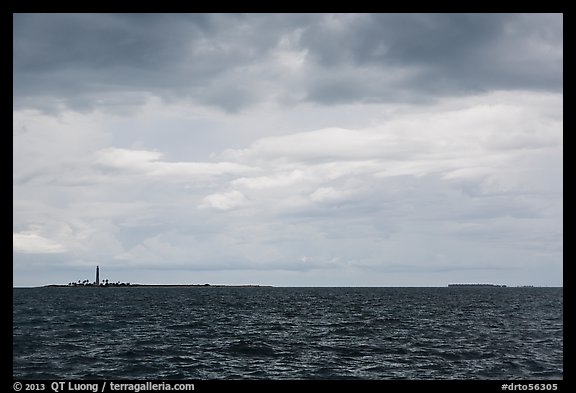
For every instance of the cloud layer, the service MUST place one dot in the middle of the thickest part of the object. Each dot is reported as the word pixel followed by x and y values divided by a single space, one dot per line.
pixel 88 61
pixel 349 149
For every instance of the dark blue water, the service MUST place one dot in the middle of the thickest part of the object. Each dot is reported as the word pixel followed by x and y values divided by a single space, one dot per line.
pixel 288 333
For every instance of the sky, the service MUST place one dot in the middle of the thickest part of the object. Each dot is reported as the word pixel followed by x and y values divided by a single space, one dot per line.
pixel 288 149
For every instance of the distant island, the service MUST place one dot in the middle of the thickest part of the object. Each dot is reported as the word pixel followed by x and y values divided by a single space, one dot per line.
pixel 123 284
pixel 107 284
pixel 477 285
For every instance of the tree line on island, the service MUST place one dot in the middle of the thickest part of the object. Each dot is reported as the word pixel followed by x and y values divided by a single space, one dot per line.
pixel 104 283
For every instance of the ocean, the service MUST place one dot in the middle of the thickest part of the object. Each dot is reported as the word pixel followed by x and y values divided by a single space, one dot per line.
pixel 210 333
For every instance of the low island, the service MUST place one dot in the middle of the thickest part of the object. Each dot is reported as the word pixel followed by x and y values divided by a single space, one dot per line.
pixel 107 284
pixel 477 285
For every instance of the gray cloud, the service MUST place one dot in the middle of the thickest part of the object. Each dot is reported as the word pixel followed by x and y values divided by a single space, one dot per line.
pixel 446 53
pixel 83 60
pixel 327 199
pixel 88 61
pixel 349 149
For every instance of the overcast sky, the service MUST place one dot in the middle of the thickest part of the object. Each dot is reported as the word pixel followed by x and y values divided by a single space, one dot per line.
pixel 288 149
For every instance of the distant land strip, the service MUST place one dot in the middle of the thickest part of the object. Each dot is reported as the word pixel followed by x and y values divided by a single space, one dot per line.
pixel 158 286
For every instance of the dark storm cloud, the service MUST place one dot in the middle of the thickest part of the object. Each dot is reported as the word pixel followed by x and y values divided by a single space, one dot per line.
pixel 79 59
pixel 448 53
pixel 400 39
pixel 83 61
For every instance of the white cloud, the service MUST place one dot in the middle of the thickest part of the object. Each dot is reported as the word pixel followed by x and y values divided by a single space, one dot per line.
pixel 148 163
pixel 224 201
pixel 29 242
pixel 493 148
pixel 277 180
pixel 325 194
pixel 469 174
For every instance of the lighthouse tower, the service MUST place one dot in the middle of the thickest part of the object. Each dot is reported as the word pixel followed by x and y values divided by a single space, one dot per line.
pixel 97 276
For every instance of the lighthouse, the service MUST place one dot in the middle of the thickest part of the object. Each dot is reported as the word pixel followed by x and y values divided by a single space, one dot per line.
pixel 97 276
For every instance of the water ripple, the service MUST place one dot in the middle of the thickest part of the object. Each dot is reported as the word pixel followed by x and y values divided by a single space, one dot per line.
pixel 288 333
